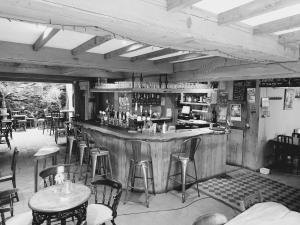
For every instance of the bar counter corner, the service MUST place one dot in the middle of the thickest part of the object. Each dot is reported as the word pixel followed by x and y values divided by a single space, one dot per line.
pixel 210 158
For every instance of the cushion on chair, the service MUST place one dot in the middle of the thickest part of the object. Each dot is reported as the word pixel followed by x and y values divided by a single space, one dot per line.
pixel 98 214
pixel 266 213
pixel 20 219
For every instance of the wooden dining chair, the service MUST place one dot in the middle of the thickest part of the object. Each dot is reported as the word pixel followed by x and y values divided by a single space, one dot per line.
pixel 4 132
pixel 60 128
pixel 11 176
pixel 250 200
pixel 107 197
pixel 7 206
pixel 67 170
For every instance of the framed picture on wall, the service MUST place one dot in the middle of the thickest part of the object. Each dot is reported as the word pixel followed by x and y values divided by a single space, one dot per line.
pixel 289 95
pixel 236 112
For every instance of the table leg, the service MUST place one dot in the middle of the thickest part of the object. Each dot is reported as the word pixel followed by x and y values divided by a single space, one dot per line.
pixel 35 174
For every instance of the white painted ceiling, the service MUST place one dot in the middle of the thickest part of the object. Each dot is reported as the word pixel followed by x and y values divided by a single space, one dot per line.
pixel 219 6
pixel 274 15
pixel 141 51
pixel 170 55
pixel 66 39
pixel 20 32
pixel 110 46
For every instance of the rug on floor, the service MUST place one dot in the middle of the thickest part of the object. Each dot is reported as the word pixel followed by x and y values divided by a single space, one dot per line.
pixel 236 186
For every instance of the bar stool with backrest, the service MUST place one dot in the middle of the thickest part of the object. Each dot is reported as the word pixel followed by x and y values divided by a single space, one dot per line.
pixel 139 154
pixel 185 156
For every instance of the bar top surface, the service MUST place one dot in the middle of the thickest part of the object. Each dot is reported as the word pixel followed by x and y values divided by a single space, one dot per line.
pixel 123 134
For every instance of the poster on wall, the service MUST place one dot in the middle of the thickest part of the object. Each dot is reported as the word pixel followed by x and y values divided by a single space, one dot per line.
pixel 289 95
pixel 251 99
pixel 236 112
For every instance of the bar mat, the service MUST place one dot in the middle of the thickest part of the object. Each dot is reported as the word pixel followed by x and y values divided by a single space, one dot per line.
pixel 238 185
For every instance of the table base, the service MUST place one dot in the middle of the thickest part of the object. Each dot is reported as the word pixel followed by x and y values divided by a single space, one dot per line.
pixel 78 212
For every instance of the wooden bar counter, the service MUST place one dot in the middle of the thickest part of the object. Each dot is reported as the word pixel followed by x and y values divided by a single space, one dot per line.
pixel 210 157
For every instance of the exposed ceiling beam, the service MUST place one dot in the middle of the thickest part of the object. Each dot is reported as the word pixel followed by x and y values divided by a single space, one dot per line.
pixel 22 53
pixel 278 25
pixel 154 26
pixel 173 5
pixel 155 54
pixel 93 42
pixel 238 72
pixel 251 9
pixel 26 68
pixel 187 56
pixel 44 38
pixel 126 49
pixel 39 78
pixel 290 37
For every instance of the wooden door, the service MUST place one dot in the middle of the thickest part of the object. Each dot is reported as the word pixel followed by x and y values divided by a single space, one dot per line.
pixel 235 146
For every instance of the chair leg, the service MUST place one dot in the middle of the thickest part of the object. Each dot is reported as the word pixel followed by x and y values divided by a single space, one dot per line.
pixel 196 176
pixel 128 180
pixel 2 218
pixel 133 175
pixel 145 176
pixel 152 176
pixel 183 177
pixel 7 142
pixel 15 186
pixel 70 151
pixel 169 170
pixel 109 166
pixel 94 165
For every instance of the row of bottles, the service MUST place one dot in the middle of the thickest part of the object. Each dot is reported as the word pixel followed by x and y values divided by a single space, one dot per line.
pixel 195 98
pixel 146 98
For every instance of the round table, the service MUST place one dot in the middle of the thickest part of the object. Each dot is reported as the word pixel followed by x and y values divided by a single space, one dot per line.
pixel 44 153
pixel 60 202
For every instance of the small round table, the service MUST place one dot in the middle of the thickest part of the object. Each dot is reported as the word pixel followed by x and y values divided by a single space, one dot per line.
pixel 44 153
pixel 56 202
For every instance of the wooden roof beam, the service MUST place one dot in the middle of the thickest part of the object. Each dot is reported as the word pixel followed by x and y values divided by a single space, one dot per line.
pixel 22 53
pixel 186 57
pixel 93 42
pixel 44 38
pixel 126 49
pixel 155 54
pixel 289 37
pixel 278 25
pixel 173 5
pixel 252 9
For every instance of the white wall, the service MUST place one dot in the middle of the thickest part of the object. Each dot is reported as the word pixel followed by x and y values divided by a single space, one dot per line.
pixel 280 121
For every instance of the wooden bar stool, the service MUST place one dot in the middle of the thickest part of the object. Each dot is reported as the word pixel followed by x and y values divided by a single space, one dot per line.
pixel 42 154
pixel 184 157
pixel 139 154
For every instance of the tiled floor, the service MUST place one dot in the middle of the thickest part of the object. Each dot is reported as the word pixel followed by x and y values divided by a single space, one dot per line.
pixel 164 208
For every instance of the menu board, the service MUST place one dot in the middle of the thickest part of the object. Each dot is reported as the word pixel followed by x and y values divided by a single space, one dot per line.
pixel 280 82
pixel 239 91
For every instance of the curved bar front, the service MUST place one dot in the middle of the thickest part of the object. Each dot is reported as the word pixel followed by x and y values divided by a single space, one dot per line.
pixel 210 158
